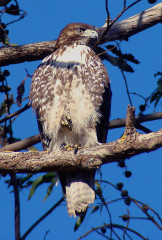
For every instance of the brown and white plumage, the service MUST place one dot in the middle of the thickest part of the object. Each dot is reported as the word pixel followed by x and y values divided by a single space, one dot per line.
pixel 71 97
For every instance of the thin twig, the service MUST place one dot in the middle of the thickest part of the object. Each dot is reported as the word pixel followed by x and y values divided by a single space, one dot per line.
pixel 148 215
pixel 27 106
pixel 126 85
pixel 117 123
pixel 108 50
pixel 125 230
pixel 42 218
pixel 112 23
pixel 114 200
pixel 22 99
pixel 141 207
pixel 108 14
pixel 24 14
pixel 142 128
pixel 124 4
pixel 103 200
pixel 108 183
pixel 121 227
pixel 116 234
pixel 23 144
pixel 101 234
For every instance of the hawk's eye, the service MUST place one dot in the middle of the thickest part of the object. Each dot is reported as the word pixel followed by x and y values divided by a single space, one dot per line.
pixel 81 30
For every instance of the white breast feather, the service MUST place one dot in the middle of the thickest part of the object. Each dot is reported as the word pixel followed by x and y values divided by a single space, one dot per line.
pixel 81 108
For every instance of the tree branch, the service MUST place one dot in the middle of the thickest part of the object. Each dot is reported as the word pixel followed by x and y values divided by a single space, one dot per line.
pixel 23 144
pixel 27 106
pixel 133 25
pixel 131 144
pixel 120 30
pixel 117 123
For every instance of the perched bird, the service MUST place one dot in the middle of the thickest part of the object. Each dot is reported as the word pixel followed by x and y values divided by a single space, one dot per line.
pixel 71 96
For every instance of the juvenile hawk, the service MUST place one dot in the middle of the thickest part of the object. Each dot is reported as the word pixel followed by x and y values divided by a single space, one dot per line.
pixel 71 97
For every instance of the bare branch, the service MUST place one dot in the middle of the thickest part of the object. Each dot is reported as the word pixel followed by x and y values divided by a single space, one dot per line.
pixel 108 27
pixel 139 119
pixel 126 147
pixel 23 144
pixel 27 106
pixel 120 30
pixel 133 25
pixel 28 142
pixel 131 144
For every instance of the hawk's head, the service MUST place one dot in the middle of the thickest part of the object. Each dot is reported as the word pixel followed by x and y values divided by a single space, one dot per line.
pixel 79 33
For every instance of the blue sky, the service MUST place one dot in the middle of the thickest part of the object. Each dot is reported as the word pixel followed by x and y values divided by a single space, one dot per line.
pixel 44 21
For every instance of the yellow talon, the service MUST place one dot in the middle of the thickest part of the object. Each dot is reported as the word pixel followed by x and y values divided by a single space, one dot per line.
pixel 87 146
pixel 68 117
pixel 68 147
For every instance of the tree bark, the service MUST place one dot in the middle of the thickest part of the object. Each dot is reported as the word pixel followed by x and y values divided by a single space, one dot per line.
pixel 116 123
pixel 87 158
pixel 119 31
pixel 131 144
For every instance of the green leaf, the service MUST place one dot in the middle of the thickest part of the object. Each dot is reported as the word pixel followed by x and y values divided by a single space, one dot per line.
pixel 79 220
pixel 54 180
pixel 46 178
pixel 98 189
pixel 26 178
pixel 49 191
pixel 35 184
pixel 95 208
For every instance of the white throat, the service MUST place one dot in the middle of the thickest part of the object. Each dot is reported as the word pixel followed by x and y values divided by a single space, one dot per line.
pixel 75 54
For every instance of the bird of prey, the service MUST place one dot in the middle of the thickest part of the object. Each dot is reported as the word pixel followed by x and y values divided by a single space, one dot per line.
pixel 70 93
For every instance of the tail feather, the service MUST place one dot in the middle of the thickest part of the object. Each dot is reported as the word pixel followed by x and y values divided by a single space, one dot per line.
pixel 79 190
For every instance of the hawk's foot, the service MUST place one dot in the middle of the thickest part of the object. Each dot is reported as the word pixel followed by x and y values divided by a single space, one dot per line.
pixel 66 122
pixel 66 147
pixel 69 147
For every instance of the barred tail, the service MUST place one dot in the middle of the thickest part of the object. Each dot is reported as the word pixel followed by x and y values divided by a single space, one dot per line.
pixel 79 190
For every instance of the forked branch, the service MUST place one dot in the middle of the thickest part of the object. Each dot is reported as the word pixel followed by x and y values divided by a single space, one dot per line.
pixel 132 143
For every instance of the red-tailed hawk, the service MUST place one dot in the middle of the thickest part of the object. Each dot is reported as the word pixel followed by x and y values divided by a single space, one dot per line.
pixel 71 97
